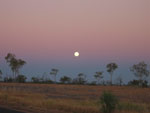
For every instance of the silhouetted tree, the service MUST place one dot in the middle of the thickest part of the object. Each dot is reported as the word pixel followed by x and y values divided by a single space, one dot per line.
pixel 54 72
pixel 45 79
pixel 65 79
pixel 110 69
pixel 98 76
pixel 45 76
pixel 81 78
pixel 15 64
pixel 140 70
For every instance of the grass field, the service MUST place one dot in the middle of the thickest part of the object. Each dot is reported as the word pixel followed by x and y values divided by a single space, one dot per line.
pixel 51 98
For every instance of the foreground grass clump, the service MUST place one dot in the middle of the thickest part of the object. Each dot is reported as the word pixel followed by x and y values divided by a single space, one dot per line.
pixel 108 102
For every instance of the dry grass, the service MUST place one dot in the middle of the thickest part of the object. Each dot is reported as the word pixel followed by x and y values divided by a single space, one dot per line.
pixel 71 98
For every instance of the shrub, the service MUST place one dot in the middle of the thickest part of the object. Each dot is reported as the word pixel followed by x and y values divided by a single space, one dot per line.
pixel 8 79
pixel 41 80
pixel 142 83
pixel 134 83
pixel 65 80
pixel 92 83
pixel 35 80
pixel 78 81
pixel 21 78
pixel 47 81
pixel 108 102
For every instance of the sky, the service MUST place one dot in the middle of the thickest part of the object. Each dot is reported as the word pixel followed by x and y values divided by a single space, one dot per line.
pixel 46 33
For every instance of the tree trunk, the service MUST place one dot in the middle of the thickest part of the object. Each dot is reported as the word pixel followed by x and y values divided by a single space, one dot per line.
pixel 98 81
pixel 111 78
pixel 13 74
pixel 55 79
pixel 140 80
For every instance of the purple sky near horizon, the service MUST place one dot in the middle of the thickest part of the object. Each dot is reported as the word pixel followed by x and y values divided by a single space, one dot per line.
pixel 46 33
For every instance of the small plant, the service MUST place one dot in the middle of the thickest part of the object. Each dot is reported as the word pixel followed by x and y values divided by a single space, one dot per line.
pixel 108 102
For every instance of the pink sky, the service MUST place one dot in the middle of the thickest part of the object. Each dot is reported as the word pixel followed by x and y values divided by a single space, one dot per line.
pixel 44 29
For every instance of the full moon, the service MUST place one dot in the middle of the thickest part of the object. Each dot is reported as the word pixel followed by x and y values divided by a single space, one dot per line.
pixel 76 54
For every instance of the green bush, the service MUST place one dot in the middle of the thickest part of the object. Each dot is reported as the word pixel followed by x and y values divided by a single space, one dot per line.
pixel 108 102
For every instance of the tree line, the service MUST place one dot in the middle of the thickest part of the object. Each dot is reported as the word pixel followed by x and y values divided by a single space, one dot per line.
pixel 140 71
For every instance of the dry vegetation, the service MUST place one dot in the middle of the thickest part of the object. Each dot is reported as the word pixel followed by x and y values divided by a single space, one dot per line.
pixel 53 98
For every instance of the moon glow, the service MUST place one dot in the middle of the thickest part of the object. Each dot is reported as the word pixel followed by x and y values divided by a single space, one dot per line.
pixel 76 54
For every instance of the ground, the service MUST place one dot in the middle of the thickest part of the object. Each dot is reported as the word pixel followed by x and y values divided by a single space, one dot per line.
pixel 57 98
